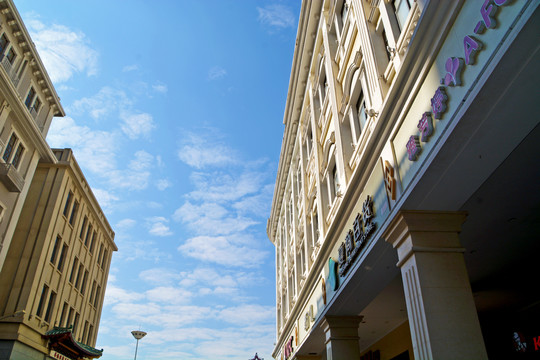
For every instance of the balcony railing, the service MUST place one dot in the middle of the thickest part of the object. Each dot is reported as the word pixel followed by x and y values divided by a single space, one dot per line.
pixel 11 178
pixel 8 67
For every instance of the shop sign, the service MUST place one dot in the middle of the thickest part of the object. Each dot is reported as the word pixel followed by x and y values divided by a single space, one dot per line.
pixel 521 345
pixel 453 67
pixel 309 318
pixel 288 350
pixel 357 237
pixel 56 355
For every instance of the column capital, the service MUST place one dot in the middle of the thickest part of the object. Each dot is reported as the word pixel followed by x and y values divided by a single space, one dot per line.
pixel 418 221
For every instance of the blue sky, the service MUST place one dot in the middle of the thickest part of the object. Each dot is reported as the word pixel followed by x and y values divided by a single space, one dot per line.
pixel 174 112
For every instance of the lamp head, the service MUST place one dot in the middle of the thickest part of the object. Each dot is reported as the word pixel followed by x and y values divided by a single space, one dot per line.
pixel 138 334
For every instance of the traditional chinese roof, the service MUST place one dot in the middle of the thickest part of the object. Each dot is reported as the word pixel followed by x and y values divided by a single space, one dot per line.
pixel 61 340
pixel 256 357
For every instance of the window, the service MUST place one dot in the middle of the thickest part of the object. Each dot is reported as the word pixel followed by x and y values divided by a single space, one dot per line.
pixel 386 44
pixel 83 285
pixel 55 250
pixel 92 292
pixel 401 8
pixel 359 119
pixel 37 105
pixel 74 212
pixel 75 323
pixel 344 11
pixel 83 227
pixel 79 275
pixel 68 203
pixel 85 331
pixel 70 316
pixel 96 299
pixel 50 307
pixel 100 253
pixel 62 258
pixel 93 242
pixel 30 97
pixel 88 234
pixel 11 55
pixel 17 157
pixel 89 338
pixel 104 259
pixel 4 42
pixel 63 314
pixel 335 181
pixel 42 300
pixel 9 147
pixel 73 270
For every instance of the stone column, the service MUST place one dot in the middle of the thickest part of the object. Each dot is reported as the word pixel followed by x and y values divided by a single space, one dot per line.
pixel 341 334
pixel 442 314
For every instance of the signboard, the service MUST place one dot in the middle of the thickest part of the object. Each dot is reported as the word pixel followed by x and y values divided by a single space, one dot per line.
pixel 57 355
pixel 466 54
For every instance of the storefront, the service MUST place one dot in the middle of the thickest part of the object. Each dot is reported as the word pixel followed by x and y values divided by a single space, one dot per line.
pixel 432 251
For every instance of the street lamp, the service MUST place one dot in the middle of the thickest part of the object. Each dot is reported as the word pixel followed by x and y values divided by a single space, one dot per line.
pixel 137 335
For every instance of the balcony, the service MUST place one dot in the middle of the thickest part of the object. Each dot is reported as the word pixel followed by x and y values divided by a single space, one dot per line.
pixel 8 67
pixel 10 178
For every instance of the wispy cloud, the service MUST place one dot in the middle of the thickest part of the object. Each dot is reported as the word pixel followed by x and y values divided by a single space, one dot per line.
pixel 64 51
pixel 158 226
pixel 200 152
pixel 223 250
pixel 216 72
pixel 136 125
pixel 160 88
pixel 276 16
pixel 129 68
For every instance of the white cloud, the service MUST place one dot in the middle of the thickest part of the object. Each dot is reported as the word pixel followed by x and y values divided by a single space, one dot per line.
pixel 136 125
pixel 93 149
pixel 200 152
pixel 64 51
pixel 126 223
pixel 248 314
pixel 276 15
pixel 129 68
pixel 163 184
pixel 105 198
pixel 221 250
pixel 160 276
pixel 158 226
pixel 216 72
pixel 160 88
pixel 106 103
pixel 169 295
pixel 211 219
pixel 114 295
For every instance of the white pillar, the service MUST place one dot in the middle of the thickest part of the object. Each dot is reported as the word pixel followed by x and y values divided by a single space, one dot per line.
pixel 442 314
pixel 341 334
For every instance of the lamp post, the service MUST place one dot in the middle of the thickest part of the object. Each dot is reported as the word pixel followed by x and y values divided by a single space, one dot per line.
pixel 137 335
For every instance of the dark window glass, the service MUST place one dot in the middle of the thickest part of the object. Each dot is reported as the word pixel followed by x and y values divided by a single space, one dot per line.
pixel 9 147
pixel 42 300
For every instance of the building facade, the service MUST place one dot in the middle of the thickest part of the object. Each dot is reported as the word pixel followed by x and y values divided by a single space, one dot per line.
pixel 55 242
pixel 28 102
pixel 406 206
pixel 57 266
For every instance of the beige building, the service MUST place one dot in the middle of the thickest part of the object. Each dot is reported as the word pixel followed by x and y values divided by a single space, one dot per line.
pixel 55 242
pixel 57 267
pixel 405 212
pixel 28 102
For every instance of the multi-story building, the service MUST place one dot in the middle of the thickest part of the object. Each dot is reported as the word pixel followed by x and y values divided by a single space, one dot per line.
pixel 406 208
pixel 28 102
pixel 55 242
pixel 57 267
